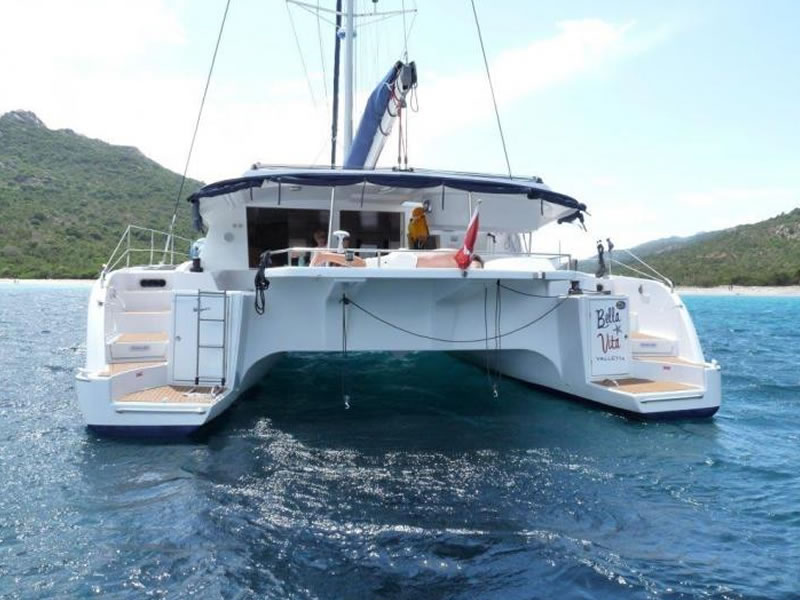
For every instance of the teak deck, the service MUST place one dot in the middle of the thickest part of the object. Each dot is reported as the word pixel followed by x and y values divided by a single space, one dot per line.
pixel 117 368
pixel 633 385
pixel 171 394
pixel 675 360
pixel 156 336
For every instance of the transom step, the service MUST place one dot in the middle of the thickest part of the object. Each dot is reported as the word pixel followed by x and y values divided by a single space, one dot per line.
pixel 124 367
pixel 139 347
pixel 634 385
pixel 171 394
pixel 135 338
pixel 673 360
pixel 645 343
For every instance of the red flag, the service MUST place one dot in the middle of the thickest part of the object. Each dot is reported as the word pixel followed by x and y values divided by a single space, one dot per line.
pixel 464 255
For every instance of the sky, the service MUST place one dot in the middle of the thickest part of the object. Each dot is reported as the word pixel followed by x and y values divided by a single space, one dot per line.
pixel 664 118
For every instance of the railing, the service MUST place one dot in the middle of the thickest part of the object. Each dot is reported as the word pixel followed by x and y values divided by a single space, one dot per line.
pixel 561 260
pixel 135 241
pixel 654 274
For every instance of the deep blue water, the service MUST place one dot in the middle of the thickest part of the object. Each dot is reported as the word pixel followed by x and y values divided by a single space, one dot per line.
pixel 426 487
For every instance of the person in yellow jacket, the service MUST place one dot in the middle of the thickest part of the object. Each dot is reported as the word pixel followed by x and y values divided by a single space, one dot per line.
pixel 418 232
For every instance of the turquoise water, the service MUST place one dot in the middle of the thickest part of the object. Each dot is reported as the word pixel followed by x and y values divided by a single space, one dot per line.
pixel 426 487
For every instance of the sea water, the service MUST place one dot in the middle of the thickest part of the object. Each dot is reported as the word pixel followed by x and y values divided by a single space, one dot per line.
pixel 426 487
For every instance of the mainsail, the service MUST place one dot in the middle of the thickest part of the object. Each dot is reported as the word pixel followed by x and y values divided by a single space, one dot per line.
pixel 380 113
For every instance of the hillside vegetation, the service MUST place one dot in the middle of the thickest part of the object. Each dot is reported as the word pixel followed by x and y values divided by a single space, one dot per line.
pixel 65 199
pixel 763 253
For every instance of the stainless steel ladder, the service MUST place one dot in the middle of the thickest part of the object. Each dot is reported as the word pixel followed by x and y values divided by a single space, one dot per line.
pixel 224 320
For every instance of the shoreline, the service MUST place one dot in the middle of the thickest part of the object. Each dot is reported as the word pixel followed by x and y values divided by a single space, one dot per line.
pixel 47 282
pixel 739 290
pixel 720 290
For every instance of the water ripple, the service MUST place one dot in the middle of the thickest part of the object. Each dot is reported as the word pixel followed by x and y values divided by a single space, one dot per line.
pixel 425 488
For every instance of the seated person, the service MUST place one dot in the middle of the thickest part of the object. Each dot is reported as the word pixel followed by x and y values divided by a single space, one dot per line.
pixel 398 260
pixel 320 241
pixel 418 232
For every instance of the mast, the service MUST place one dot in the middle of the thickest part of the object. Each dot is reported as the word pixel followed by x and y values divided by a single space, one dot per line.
pixel 336 55
pixel 349 34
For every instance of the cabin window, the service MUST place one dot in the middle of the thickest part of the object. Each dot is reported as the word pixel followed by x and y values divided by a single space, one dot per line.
pixel 279 228
pixel 373 229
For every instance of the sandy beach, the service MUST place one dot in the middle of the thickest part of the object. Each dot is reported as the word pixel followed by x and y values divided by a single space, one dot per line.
pixel 740 290
pixel 48 282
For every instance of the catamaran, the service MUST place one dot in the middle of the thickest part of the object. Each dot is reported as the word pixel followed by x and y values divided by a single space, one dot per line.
pixel 423 261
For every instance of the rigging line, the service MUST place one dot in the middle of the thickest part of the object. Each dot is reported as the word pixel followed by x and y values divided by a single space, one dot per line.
pixel 498 345
pixel 410 29
pixel 322 57
pixel 337 49
pixel 405 33
pixel 376 54
pixel 491 87
pixel 405 144
pixel 322 148
pixel 486 331
pixel 338 11
pixel 445 340
pixel 343 370
pixel 376 20
pixel 310 9
pixel 354 58
pixel 302 58
pixel 197 122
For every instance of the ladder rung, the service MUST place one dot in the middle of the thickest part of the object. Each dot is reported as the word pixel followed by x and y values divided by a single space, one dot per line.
pixel 216 347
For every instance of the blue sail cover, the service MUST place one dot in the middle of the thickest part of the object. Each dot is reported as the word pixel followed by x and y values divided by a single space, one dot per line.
pixel 379 115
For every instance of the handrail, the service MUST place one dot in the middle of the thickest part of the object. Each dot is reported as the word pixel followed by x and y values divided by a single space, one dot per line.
pixel 380 252
pixel 133 234
pixel 660 278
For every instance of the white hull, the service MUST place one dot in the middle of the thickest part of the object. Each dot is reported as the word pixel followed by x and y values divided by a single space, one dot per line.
pixel 659 370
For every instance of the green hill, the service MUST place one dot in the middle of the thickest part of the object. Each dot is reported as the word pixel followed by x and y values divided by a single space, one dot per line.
pixel 65 199
pixel 763 253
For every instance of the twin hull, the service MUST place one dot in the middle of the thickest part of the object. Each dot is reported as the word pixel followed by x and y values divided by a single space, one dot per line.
pixel 201 342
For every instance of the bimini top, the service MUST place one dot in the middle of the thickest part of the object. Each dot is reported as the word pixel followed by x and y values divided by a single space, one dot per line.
pixel 533 189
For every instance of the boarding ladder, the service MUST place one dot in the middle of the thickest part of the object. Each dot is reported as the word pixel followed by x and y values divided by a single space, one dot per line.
pixel 200 349
pixel 201 333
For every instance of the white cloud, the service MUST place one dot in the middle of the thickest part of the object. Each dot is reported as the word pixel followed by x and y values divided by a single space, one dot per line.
pixel 631 221
pixel 579 48
pixel 604 181
pixel 93 66
pixel 723 207
pixel 46 33
pixel 734 197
